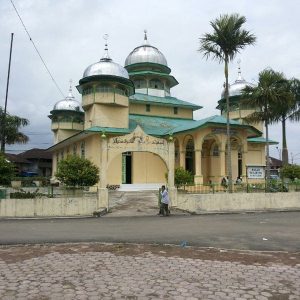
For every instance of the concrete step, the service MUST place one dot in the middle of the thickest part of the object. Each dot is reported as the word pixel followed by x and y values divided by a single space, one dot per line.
pixel 140 187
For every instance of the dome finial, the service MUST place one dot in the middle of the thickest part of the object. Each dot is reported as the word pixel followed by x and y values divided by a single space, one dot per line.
pixel 106 55
pixel 70 94
pixel 239 70
pixel 145 37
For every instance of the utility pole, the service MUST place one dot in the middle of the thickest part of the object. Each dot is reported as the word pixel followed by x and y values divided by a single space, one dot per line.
pixel 3 127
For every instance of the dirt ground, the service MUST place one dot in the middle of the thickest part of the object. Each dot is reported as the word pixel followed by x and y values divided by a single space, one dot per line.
pixel 12 254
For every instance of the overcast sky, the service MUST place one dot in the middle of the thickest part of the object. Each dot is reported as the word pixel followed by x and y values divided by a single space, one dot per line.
pixel 69 36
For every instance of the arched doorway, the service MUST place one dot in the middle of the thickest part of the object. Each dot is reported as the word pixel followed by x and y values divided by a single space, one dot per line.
pixel 176 153
pixel 210 159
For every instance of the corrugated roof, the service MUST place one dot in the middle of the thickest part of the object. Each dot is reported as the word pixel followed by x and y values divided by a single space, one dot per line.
pixel 169 101
pixel 261 140
pixel 162 126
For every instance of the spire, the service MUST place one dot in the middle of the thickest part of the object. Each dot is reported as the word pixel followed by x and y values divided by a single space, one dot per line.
pixel 70 94
pixel 105 56
pixel 145 38
pixel 240 77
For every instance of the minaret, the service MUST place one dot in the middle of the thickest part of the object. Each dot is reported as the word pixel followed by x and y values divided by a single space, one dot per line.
pixel 239 108
pixel 149 71
pixel 105 88
pixel 66 117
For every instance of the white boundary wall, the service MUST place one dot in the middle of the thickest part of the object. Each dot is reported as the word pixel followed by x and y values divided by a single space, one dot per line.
pixel 48 207
pixel 201 203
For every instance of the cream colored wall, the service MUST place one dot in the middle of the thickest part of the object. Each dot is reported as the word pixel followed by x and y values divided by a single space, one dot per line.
pixel 62 134
pixel 104 98
pixel 256 154
pixel 156 110
pixel 106 116
pixel 114 172
pixel 241 114
pixel 147 168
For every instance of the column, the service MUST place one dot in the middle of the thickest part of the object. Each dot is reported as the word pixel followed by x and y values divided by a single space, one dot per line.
pixel 171 173
pixel 198 167
pixel 103 192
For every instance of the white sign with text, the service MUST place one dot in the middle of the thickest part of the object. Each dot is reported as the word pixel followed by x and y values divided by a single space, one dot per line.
pixel 256 172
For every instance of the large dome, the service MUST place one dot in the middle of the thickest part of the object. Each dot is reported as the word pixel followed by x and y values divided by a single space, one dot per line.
pixel 146 54
pixel 69 103
pixel 236 88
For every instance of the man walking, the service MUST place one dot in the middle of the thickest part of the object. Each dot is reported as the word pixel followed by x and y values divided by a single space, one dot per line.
pixel 165 200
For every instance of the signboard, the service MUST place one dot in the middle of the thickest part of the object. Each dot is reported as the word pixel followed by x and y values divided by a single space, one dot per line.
pixel 256 172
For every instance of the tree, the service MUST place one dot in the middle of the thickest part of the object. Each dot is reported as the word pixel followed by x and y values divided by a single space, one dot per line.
pixel 7 170
pixel 290 171
pixel 183 177
pixel 265 97
pixel 77 171
pixel 227 39
pixel 288 108
pixel 9 132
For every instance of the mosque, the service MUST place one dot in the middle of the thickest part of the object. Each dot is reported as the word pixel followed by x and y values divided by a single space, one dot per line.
pixel 137 133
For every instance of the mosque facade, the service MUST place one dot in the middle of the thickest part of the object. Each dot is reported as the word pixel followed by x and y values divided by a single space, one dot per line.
pixel 136 132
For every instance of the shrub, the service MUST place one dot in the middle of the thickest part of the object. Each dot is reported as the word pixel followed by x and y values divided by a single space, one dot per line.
pixel 183 177
pixel 290 171
pixel 76 171
pixel 7 170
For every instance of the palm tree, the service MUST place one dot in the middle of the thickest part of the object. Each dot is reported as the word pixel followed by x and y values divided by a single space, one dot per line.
pixel 227 39
pixel 266 97
pixel 288 109
pixel 10 126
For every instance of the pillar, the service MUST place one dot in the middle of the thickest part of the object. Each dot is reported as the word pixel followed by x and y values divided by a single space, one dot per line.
pixel 198 167
pixel 103 192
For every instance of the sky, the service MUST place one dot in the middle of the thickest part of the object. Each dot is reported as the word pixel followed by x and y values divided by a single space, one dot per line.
pixel 69 36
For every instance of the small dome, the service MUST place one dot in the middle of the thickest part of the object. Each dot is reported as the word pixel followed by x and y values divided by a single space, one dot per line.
pixel 145 53
pixel 236 88
pixel 69 103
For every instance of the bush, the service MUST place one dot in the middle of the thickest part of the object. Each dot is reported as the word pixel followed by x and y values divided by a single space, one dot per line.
pixel 25 195
pixel 76 171
pixel 183 177
pixel 290 171
pixel 7 170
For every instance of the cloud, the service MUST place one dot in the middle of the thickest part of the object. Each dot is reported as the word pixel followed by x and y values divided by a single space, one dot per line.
pixel 69 35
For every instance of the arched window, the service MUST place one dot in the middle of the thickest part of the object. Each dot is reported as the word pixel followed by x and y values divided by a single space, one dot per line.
pixel 215 151
pixel 177 153
pixel 82 149
pixel 156 84
pixel 190 156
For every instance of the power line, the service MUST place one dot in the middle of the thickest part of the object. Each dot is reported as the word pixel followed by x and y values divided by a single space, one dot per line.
pixel 36 49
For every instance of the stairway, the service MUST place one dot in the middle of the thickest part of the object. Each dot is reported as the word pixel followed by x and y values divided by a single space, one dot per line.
pixel 133 203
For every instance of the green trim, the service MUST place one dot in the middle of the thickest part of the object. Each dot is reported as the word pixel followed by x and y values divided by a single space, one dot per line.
pixel 172 80
pixel 261 140
pixel 166 101
pixel 127 82
pixel 163 117
pixel 164 68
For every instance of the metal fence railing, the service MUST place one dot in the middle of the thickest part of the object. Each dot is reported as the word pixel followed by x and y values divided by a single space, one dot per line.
pixel 259 187
pixel 49 191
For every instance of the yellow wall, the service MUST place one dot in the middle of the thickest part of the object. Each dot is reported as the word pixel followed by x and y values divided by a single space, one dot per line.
pixel 114 172
pixel 106 116
pixel 156 110
pixel 147 168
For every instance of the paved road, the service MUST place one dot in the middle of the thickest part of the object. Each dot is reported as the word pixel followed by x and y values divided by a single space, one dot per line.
pixel 92 272
pixel 259 231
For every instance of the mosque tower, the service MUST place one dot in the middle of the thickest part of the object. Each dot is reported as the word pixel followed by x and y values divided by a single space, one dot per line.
pixel 66 117
pixel 149 71
pixel 239 109
pixel 105 88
